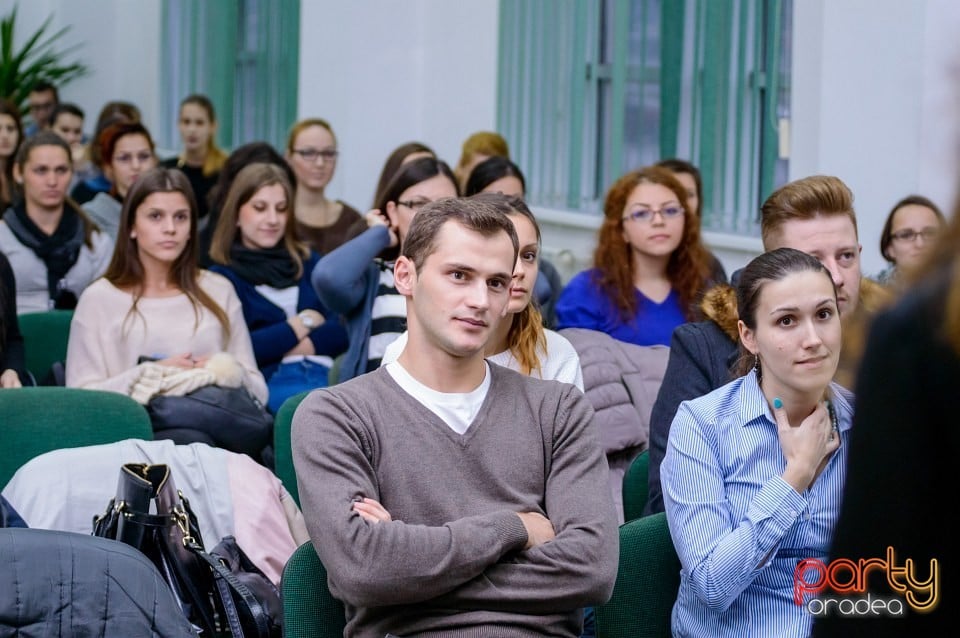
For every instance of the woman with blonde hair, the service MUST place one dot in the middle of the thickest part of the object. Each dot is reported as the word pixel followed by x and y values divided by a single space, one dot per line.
pixel 294 336
pixel 520 341
pixel 154 305
pixel 321 222
pixel 480 146
pixel 201 158
pixel 650 266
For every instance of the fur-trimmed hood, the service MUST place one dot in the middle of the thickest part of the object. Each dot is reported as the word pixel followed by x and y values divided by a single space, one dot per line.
pixel 719 305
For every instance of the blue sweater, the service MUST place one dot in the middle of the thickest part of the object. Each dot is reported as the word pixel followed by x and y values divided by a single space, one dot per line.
pixel 271 334
pixel 583 305
pixel 346 280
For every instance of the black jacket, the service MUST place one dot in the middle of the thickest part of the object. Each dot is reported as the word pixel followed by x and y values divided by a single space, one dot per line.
pixel 902 479
pixel 64 584
pixel 702 358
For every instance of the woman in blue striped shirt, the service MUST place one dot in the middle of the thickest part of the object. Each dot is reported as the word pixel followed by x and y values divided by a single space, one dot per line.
pixel 754 471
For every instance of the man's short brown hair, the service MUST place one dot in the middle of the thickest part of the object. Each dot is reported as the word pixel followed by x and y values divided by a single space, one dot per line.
pixel 473 214
pixel 807 198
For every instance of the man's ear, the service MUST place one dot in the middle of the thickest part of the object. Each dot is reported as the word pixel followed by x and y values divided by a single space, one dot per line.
pixel 404 276
pixel 747 337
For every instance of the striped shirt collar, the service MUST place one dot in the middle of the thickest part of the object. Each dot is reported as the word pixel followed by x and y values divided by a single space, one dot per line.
pixel 754 406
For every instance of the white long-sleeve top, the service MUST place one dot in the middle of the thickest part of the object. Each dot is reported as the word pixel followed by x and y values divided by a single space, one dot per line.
pixel 106 339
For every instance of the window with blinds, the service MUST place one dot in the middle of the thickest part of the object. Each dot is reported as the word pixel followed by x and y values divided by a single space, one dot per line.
pixel 242 54
pixel 589 90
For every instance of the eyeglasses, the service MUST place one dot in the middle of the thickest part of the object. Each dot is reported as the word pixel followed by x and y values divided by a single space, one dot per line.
pixel 415 205
pixel 646 214
pixel 128 158
pixel 311 154
pixel 908 235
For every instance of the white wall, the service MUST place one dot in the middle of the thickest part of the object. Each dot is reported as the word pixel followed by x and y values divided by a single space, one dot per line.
pixel 874 99
pixel 384 73
pixel 120 42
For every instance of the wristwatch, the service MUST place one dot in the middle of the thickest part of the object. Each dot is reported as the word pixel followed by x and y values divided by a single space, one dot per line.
pixel 307 321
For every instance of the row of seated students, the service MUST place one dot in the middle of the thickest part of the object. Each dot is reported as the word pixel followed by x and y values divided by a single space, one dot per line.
pixel 668 271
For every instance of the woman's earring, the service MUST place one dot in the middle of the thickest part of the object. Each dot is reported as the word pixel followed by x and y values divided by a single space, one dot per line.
pixel 756 365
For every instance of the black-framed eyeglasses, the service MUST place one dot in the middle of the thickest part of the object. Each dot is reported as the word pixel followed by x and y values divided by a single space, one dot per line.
pixel 647 214
pixel 908 235
pixel 415 204
pixel 311 154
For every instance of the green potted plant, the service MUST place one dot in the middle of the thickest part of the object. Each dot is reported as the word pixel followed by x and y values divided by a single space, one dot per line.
pixel 37 59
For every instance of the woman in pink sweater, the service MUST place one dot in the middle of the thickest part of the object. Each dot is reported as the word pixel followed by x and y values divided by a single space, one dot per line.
pixel 154 305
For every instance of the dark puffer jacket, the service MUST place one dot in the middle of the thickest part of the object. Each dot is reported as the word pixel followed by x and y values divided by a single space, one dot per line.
pixel 64 584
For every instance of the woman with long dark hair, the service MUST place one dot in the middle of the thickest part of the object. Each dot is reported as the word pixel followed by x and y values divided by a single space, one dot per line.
pixel 356 279
pixel 12 368
pixel 11 135
pixel 154 304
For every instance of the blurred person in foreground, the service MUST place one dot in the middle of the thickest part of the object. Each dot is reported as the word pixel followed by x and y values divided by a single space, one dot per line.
pixel 901 478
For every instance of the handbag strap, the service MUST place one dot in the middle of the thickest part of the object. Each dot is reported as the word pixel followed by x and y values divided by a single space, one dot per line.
pixel 223 577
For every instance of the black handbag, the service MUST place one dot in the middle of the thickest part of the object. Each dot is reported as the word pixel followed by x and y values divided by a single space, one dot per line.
pixel 232 417
pixel 220 591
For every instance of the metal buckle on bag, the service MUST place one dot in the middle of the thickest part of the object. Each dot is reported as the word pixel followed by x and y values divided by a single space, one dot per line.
pixel 183 522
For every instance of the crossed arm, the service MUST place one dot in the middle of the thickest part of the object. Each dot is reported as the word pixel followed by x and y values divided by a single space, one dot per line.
pixel 558 559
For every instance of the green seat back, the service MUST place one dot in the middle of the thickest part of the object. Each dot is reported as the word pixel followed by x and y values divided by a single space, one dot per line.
pixel 647 582
pixel 333 377
pixel 636 487
pixel 309 609
pixel 45 336
pixel 37 420
pixel 282 450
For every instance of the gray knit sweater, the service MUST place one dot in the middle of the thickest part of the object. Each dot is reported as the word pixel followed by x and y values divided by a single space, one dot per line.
pixel 105 210
pixel 452 563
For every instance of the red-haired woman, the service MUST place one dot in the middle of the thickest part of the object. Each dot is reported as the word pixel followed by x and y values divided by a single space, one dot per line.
pixel 649 265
